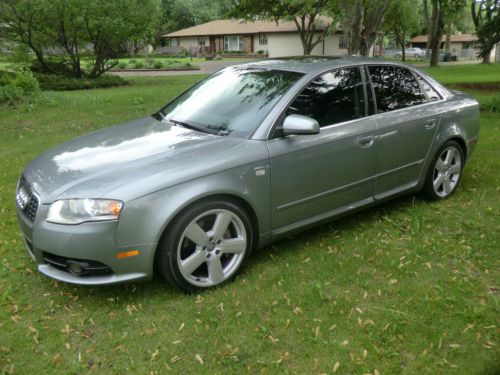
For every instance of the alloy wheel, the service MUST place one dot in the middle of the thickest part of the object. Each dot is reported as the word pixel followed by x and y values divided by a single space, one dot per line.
pixel 212 247
pixel 447 171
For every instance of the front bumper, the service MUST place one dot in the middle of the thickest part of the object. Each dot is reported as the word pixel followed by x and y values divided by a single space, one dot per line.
pixel 54 247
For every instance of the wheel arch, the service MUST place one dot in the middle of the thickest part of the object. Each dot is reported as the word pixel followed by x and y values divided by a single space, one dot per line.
pixel 461 142
pixel 226 196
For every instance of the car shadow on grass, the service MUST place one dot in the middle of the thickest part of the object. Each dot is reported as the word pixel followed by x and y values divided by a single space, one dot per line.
pixel 337 226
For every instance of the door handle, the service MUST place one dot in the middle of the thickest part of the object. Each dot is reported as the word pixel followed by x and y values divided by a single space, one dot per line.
pixel 429 124
pixel 365 142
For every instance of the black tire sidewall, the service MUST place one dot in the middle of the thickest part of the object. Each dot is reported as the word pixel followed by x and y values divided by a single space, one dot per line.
pixel 167 250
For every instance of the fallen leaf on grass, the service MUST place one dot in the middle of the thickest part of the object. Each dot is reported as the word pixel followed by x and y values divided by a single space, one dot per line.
pixel 199 359
pixel 336 367
pixel 297 310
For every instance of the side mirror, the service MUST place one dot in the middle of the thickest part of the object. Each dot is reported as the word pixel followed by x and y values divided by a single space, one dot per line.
pixel 300 125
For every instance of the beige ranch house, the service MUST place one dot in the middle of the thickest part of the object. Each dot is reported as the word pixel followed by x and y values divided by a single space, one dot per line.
pixel 461 45
pixel 257 37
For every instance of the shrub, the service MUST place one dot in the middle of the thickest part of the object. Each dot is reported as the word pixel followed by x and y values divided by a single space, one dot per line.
pixel 150 61
pixel 6 77
pixel 10 95
pixel 158 65
pixel 138 65
pixel 25 80
pixel 15 88
pixel 122 65
pixel 132 61
pixel 61 83
pixel 491 105
pixel 55 65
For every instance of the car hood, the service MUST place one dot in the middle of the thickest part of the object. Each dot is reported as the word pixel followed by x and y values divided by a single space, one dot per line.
pixel 98 163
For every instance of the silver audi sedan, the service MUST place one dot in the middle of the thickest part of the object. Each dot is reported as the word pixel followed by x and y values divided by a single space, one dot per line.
pixel 249 154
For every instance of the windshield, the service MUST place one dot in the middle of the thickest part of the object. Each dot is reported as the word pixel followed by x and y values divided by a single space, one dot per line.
pixel 231 102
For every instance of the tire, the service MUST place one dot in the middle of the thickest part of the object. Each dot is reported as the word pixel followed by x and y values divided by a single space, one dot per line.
pixel 397 55
pixel 445 171
pixel 416 57
pixel 206 245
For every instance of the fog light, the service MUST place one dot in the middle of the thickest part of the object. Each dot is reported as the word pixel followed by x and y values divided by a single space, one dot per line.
pixel 75 268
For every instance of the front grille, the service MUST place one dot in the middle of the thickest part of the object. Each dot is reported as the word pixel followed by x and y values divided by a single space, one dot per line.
pixel 89 268
pixel 26 198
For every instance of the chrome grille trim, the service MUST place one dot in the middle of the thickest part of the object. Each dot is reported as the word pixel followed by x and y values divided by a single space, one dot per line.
pixel 26 199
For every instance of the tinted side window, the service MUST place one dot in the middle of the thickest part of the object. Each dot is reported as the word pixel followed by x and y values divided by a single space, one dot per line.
pixel 395 88
pixel 332 98
pixel 430 93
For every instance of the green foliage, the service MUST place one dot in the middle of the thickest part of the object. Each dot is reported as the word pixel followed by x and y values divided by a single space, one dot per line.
pixel 158 64
pixel 6 77
pixel 122 65
pixel 15 88
pixel 400 21
pixel 61 83
pixel 491 105
pixel 486 17
pixel 20 54
pixel 10 95
pixel 149 61
pixel 305 13
pixel 25 80
pixel 138 65
pixel 52 64
pixel 73 27
pixel 179 14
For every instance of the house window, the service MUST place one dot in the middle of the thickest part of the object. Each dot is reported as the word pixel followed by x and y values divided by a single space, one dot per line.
pixel 173 42
pixel 233 43
pixel 263 39
pixel 342 42
pixel 202 40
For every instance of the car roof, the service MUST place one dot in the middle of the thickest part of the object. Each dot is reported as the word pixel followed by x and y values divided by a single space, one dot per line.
pixel 314 64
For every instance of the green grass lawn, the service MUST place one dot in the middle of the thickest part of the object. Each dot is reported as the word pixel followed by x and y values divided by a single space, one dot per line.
pixel 466 73
pixel 406 287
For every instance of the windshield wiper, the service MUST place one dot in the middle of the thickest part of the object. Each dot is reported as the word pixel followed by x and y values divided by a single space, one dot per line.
pixel 189 125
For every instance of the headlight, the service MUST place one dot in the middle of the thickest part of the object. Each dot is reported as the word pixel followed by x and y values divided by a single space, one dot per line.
pixel 76 211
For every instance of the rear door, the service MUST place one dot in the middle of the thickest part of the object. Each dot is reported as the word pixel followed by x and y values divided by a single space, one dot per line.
pixel 314 175
pixel 406 128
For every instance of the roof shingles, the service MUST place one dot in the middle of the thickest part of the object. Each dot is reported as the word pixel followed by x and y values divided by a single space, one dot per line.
pixel 232 27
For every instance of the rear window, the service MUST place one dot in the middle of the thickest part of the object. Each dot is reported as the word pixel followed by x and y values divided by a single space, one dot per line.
pixel 395 88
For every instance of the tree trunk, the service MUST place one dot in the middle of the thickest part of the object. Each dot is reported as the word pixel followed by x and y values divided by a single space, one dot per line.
pixel 428 23
pixel 307 32
pixel 448 37
pixel 487 58
pixel 437 32
pixel 354 27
